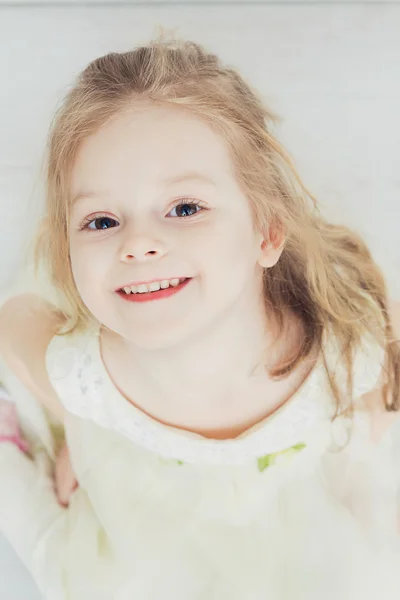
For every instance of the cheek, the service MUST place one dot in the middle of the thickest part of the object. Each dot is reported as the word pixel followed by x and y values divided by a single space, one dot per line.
pixel 89 266
pixel 231 249
pixel 229 258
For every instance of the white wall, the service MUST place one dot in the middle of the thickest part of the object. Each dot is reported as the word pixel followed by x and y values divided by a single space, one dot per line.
pixel 331 70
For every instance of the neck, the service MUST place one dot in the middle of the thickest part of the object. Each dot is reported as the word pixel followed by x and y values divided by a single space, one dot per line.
pixel 223 358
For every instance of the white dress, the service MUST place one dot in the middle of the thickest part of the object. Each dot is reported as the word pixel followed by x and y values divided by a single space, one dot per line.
pixel 161 513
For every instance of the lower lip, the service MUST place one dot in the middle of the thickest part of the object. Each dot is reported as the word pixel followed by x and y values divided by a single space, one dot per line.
pixel 149 296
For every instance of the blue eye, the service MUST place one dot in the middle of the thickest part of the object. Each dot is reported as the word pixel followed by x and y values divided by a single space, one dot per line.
pixel 185 208
pixel 186 205
pixel 103 222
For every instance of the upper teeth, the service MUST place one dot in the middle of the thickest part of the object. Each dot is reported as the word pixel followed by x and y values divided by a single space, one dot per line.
pixel 153 286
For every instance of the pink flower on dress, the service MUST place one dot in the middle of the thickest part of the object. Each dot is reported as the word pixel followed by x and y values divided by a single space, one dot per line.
pixel 9 425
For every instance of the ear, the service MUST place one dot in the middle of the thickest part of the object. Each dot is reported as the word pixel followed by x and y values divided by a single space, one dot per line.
pixel 271 248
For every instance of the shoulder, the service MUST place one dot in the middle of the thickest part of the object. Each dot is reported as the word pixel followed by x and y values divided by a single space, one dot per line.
pixel 27 325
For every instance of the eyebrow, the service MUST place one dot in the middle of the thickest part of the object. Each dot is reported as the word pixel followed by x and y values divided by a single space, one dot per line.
pixel 168 181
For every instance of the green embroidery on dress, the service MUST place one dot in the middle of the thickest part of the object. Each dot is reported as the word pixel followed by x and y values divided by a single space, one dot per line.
pixel 269 459
pixel 169 461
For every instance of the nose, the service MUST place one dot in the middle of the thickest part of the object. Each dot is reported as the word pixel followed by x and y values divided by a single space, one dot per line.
pixel 140 247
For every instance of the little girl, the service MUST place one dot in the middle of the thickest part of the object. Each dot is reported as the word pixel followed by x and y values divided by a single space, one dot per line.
pixel 222 359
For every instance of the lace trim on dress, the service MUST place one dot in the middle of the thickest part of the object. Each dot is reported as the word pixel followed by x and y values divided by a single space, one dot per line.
pixel 80 378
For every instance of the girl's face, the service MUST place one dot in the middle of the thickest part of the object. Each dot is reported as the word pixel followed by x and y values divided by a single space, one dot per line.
pixel 156 199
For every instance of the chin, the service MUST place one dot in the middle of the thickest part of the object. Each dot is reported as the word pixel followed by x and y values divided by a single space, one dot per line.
pixel 154 337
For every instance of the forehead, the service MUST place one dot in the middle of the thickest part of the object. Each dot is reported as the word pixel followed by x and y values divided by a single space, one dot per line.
pixel 150 146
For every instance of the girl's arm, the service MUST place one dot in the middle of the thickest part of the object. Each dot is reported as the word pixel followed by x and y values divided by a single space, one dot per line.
pixel 27 324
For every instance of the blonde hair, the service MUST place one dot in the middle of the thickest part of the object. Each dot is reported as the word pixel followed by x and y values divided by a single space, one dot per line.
pixel 325 274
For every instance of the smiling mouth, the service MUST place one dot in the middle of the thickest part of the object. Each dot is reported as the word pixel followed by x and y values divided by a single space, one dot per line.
pixel 146 296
